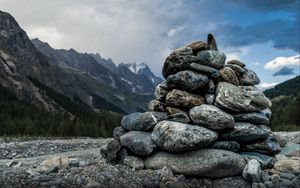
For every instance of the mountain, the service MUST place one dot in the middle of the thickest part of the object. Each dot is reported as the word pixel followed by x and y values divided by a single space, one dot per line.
pixel 285 99
pixel 45 77
pixel 103 70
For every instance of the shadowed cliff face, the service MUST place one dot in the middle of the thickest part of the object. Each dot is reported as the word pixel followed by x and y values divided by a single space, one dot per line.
pixel 32 75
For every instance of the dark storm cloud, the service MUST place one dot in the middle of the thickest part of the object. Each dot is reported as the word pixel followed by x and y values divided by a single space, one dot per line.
pixel 284 34
pixel 284 71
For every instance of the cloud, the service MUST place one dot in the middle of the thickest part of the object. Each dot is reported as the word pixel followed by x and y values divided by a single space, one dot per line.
pixel 282 61
pixel 264 86
pixel 284 34
pixel 284 71
pixel 48 34
pixel 147 31
pixel 269 5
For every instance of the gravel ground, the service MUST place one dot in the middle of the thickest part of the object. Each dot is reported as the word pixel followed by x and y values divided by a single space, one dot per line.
pixel 91 170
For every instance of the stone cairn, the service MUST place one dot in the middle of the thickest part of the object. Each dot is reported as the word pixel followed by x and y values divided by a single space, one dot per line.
pixel 208 119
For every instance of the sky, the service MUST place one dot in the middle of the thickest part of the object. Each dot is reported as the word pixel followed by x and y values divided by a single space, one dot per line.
pixel 264 34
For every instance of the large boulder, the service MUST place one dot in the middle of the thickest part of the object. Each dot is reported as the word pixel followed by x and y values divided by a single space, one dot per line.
pixel 138 142
pixel 142 121
pixel 240 99
pixel 245 132
pixel 211 117
pixel 174 136
pixel 211 163
pixel 187 80
pixel 183 99
pixel 256 118
pixel 212 58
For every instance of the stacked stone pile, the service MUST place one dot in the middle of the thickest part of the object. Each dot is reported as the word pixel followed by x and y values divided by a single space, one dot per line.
pixel 208 119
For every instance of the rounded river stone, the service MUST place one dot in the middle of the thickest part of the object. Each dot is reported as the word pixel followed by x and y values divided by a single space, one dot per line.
pixel 211 163
pixel 245 132
pixel 138 142
pixel 183 99
pixel 212 58
pixel 175 136
pixel 211 117
pixel 142 121
pixel 187 80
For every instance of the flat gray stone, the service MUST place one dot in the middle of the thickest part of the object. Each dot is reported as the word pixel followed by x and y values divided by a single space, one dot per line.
pixel 268 146
pixel 138 142
pixel 175 63
pixel 240 98
pixel 212 58
pixel 207 70
pixel 183 99
pixel 211 163
pixel 265 160
pixel 227 145
pixel 211 117
pixel 175 136
pixel 187 80
pixel 142 121
pixel 256 118
pixel 245 132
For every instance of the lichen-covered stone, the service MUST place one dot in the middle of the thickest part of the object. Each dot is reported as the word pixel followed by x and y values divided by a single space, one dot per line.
pixel 174 136
pixel 183 99
pixel 155 105
pixel 175 63
pixel 245 132
pixel 212 163
pixel 142 121
pixel 211 117
pixel 207 70
pixel 187 80
pixel 256 118
pixel 249 78
pixel 161 92
pixel 265 160
pixel 228 75
pixel 226 145
pixel 269 146
pixel 252 171
pixel 240 98
pixel 138 142
pixel 212 58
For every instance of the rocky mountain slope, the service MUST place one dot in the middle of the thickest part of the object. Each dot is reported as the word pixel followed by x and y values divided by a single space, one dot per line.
pixel 285 99
pixel 44 76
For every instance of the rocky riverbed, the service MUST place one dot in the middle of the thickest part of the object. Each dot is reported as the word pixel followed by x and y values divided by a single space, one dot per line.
pixel 44 162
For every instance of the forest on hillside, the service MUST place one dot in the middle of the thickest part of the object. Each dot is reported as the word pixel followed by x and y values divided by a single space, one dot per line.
pixel 20 118
pixel 285 99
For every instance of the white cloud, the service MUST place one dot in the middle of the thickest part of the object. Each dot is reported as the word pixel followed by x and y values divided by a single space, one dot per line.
pixel 282 61
pixel 264 86
pixel 47 34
